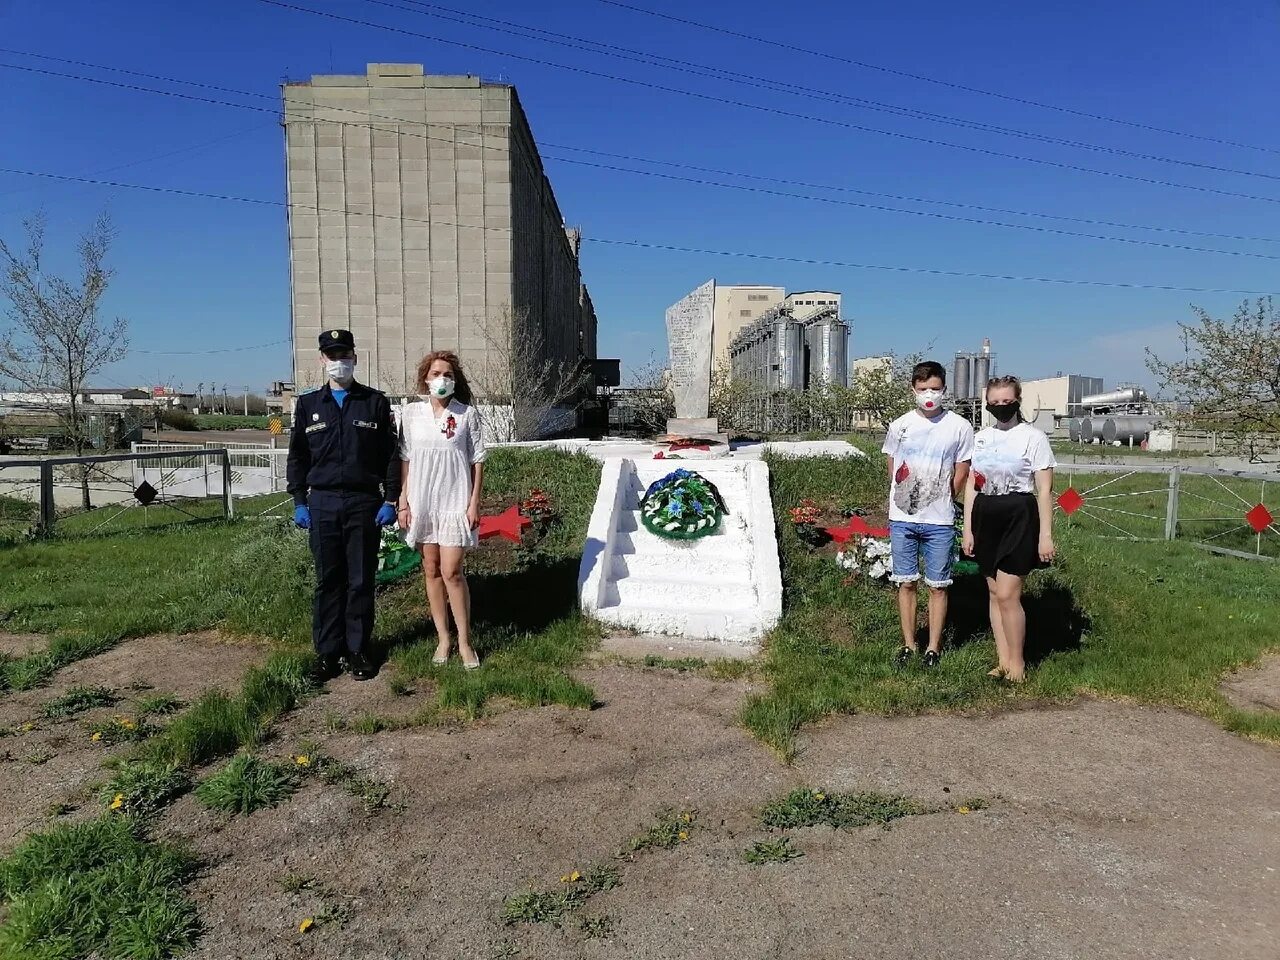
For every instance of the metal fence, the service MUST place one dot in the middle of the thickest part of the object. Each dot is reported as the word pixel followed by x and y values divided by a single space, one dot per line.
pixel 156 485
pixel 87 495
pixel 1229 512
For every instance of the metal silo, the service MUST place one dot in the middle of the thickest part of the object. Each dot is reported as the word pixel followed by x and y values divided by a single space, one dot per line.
pixel 961 377
pixel 788 352
pixel 828 353
pixel 1086 430
pixel 1133 429
pixel 981 374
pixel 1073 429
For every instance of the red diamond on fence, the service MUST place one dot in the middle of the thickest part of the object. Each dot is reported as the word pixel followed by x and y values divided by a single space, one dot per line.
pixel 1259 518
pixel 1070 501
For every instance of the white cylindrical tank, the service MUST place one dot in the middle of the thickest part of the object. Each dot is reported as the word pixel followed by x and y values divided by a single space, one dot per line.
pixel 1114 398
pixel 1124 429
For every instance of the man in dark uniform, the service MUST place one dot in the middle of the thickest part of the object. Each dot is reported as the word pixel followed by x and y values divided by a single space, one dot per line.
pixel 344 474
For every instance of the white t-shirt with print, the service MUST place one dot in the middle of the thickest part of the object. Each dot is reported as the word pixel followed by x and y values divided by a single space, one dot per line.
pixel 925 451
pixel 1006 461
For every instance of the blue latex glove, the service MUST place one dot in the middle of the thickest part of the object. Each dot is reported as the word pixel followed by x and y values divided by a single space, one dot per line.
pixel 302 516
pixel 386 515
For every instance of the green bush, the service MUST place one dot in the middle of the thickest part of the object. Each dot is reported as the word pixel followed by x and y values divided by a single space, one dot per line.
pixel 95 889
pixel 176 418
pixel 142 787
pixel 247 784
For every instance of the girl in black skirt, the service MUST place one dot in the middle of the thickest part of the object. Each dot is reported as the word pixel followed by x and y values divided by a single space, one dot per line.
pixel 1008 516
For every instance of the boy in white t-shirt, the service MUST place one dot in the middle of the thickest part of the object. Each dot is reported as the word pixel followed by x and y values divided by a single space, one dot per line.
pixel 929 450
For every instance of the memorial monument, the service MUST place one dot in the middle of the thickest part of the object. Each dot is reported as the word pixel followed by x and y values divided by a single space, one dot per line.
pixel 689 328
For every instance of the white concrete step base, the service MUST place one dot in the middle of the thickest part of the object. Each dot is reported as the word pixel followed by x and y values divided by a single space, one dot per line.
pixel 725 586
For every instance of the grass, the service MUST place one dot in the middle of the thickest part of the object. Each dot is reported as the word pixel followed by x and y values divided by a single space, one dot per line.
pixel 207 575
pixel 143 787
pixel 1101 622
pixel 119 729
pixel 77 700
pixel 804 807
pixel 671 830
pixel 247 784
pixel 218 724
pixel 158 705
pixel 550 906
pixel 373 793
pixel 779 850
pixel 95 889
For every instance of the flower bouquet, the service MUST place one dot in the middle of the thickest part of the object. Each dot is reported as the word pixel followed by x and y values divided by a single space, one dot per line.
pixel 396 559
pixel 807 520
pixel 683 505
pixel 869 556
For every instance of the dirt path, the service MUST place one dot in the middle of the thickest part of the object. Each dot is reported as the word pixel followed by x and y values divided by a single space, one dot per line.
pixel 1112 831
pixel 1255 688
pixel 55 761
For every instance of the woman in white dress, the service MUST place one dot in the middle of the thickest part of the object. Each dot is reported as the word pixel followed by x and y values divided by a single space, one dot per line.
pixel 442 466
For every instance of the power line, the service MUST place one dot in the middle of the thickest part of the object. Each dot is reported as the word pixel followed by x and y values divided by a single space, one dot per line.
pixel 928 270
pixel 641 244
pixel 524 31
pixel 700 182
pixel 775 111
pixel 920 213
pixel 162 156
pixel 575 149
pixel 201 353
pixel 782 45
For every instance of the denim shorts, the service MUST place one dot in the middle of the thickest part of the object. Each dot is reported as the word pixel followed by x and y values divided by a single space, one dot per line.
pixel 909 540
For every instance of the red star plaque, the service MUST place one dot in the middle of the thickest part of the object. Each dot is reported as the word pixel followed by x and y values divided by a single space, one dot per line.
pixel 510 523
pixel 856 527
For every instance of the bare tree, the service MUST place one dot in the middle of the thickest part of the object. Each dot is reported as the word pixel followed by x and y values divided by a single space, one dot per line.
pixel 522 372
pixel 57 339
pixel 1229 377
pixel 648 398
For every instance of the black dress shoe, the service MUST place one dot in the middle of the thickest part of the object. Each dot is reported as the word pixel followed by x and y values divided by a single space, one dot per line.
pixel 931 658
pixel 904 656
pixel 325 668
pixel 361 668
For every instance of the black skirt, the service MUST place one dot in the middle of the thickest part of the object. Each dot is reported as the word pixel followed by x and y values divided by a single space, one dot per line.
pixel 1006 534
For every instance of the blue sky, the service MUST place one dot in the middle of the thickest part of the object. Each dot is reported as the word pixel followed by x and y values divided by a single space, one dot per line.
pixel 200 275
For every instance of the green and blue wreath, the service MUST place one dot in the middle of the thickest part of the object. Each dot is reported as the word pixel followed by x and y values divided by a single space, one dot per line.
pixel 683 505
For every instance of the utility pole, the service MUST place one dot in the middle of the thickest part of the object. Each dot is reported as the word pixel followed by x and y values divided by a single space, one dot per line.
pixel 246 399
pixel 224 399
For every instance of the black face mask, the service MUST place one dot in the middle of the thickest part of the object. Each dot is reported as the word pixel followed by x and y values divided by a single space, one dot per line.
pixel 1004 412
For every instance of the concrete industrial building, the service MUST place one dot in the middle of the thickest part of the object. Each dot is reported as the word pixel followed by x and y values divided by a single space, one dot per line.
pixel 805 303
pixel 421 219
pixel 1060 394
pixel 736 307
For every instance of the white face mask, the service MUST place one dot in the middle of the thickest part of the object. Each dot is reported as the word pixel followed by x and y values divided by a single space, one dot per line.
pixel 441 387
pixel 930 401
pixel 340 371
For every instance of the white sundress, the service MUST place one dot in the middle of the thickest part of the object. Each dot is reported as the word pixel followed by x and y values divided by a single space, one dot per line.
pixel 440 452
